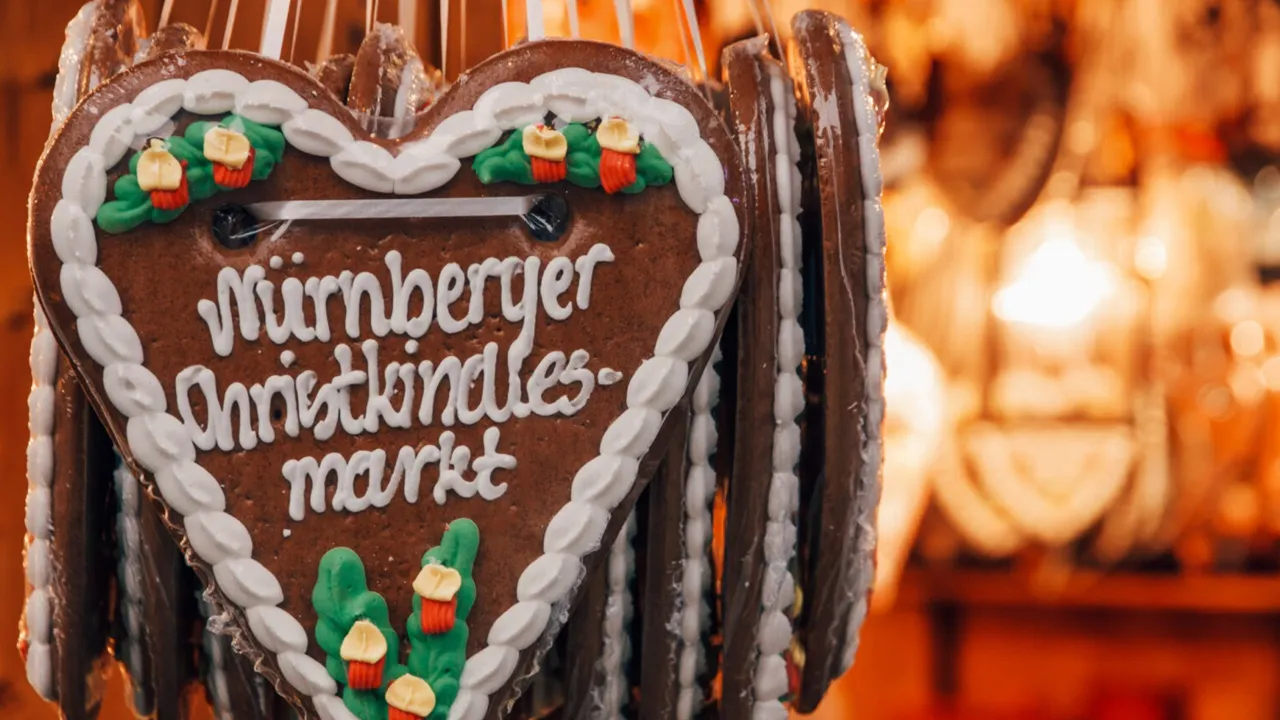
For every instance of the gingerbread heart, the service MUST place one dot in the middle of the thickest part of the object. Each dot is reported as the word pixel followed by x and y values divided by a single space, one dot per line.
pixel 392 396
pixel 842 103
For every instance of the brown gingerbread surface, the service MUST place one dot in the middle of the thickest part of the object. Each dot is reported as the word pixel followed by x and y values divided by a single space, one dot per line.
pixel 751 109
pixel 162 272
pixel 837 417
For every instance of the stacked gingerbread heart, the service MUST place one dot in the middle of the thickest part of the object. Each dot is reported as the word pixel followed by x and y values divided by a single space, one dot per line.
pixel 443 397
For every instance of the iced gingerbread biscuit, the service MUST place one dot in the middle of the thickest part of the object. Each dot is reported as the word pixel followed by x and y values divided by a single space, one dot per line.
pixel 151 625
pixel 763 493
pixel 392 396
pixel 678 660
pixel 157 618
pixel 335 74
pixel 175 37
pixel 600 637
pixel 157 612
pixel 639 643
pixel 678 645
pixel 232 688
pixel 114 31
pixel 841 104
pixel 67 614
pixel 390 84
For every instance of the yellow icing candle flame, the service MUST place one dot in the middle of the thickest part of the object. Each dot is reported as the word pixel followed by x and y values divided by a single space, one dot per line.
pixel 545 143
pixel 619 136
pixel 226 146
pixel 412 695
pixel 364 643
pixel 158 169
pixel 437 582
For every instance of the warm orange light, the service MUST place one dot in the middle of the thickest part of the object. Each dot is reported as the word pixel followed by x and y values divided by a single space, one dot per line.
pixel 1058 286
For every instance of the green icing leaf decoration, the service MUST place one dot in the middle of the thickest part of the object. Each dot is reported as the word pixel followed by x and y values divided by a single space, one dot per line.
pixel 652 170
pixel 439 659
pixel 132 205
pixel 341 597
pixel 583 160
pixel 504 162
pixel 507 162
pixel 267 142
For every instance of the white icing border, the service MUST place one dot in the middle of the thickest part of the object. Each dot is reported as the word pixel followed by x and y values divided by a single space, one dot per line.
pixel 70 57
pixel 37 612
pixel 37 563
pixel 129 568
pixel 618 612
pixel 215 650
pixel 868 126
pixel 696 577
pixel 159 443
pixel 778 589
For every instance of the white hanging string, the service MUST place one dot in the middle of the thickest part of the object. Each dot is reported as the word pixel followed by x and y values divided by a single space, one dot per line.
pixel 370 13
pixel 408 19
pixel 231 24
pixel 684 37
pixel 164 13
pixel 297 21
pixel 506 25
pixel 275 22
pixel 325 48
pixel 462 36
pixel 755 17
pixel 572 7
pixel 444 39
pixel 691 16
pixel 208 21
pixel 774 37
pixel 626 23
pixel 535 28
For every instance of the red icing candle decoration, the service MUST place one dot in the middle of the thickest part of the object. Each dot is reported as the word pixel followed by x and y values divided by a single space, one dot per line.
pixel 617 170
pixel 173 199
pixel 232 156
pixel 438 617
pixel 363 676
pixel 409 698
pixel 364 650
pixel 546 148
pixel 619 145
pixel 228 177
pixel 548 171
pixel 163 177
pixel 438 586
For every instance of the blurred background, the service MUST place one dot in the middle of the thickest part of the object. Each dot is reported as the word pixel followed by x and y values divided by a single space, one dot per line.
pixel 1082 506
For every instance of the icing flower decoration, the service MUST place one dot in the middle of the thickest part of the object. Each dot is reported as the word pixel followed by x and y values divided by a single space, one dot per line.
pixel 619 146
pixel 238 149
pixel 626 164
pixel 348 614
pixel 364 649
pixel 438 587
pixel 546 148
pixel 169 174
pixel 410 698
pixel 232 156
pixel 163 176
